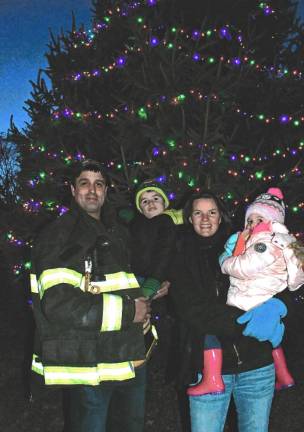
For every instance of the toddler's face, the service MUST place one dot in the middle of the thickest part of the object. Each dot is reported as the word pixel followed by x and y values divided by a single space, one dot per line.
pixel 253 220
pixel 151 204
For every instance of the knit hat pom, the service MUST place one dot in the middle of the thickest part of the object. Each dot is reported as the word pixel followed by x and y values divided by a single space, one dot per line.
pixel 276 192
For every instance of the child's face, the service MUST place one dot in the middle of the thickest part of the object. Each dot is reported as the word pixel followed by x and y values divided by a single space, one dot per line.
pixel 253 220
pixel 151 204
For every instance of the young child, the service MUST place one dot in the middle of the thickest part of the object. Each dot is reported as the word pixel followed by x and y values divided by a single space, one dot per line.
pixel 263 264
pixel 153 232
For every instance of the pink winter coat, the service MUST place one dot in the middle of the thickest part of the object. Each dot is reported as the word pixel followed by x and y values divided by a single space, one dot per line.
pixel 267 267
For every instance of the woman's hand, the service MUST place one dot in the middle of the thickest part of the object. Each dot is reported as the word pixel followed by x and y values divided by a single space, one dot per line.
pixel 163 290
pixel 264 323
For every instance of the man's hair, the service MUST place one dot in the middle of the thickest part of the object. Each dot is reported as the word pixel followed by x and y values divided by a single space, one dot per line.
pixel 207 194
pixel 88 165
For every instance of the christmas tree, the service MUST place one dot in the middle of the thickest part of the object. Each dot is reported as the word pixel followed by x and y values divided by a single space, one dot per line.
pixel 195 94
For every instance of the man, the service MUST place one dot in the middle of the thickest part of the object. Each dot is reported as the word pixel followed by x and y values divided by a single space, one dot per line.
pixel 89 312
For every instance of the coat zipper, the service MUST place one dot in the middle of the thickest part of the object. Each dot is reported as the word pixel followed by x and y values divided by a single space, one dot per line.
pixel 239 361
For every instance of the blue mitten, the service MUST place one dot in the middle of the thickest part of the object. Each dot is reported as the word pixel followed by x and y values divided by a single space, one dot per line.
pixel 229 247
pixel 264 321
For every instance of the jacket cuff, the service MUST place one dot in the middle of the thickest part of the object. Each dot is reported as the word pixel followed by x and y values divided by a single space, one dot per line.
pixel 150 286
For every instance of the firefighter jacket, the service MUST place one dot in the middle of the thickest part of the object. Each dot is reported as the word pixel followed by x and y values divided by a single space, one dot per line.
pixel 83 296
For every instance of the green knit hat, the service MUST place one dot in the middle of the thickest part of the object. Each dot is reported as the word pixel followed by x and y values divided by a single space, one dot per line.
pixel 150 185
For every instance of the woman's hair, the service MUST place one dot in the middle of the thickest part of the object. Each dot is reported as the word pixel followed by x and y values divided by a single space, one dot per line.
pixel 207 194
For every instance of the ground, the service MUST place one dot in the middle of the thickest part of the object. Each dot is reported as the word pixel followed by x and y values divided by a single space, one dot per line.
pixel 18 414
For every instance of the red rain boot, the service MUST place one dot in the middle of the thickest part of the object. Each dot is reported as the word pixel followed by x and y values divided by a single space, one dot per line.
pixel 212 382
pixel 283 376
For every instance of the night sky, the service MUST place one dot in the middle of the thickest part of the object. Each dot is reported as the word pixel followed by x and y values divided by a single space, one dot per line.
pixel 24 34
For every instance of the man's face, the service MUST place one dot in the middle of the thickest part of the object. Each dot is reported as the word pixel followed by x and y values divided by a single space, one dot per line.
pixel 151 204
pixel 89 192
pixel 205 217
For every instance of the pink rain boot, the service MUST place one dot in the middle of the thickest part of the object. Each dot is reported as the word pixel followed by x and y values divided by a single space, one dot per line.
pixel 283 376
pixel 212 382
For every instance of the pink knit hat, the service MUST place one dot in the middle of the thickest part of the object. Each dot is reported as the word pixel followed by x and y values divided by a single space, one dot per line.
pixel 270 205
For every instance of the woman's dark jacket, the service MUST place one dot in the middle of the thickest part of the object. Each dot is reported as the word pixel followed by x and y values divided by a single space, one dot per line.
pixel 198 291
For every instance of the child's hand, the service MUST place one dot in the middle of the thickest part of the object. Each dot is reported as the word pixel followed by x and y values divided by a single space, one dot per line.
pixel 163 290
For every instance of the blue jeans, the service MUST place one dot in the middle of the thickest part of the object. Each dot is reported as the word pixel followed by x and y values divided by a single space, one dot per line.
pixel 109 407
pixel 252 392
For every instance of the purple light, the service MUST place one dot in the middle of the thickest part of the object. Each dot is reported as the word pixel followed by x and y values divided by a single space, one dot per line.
pixel 294 152
pixel 151 2
pixel 121 61
pixel 284 119
pixel 233 157
pixel 161 179
pixel 171 196
pixel 195 34
pixel 236 61
pixel 96 72
pixel 196 57
pixel 267 10
pixel 225 33
pixel 154 41
pixel 155 151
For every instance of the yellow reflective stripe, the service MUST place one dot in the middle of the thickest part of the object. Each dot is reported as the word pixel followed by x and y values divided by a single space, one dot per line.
pixel 54 375
pixel 34 283
pixel 117 281
pixel 37 366
pixel 56 276
pixel 154 332
pixel 112 313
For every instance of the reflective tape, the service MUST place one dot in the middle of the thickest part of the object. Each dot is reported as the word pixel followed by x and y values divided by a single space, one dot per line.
pixel 57 276
pixel 73 375
pixel 111 313
pixel 117 281
pixel 114 281
pixel 34 283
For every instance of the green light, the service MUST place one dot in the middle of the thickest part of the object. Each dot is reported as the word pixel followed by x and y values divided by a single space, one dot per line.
pixel 181 97
pixel 42 175
pixel 42 148
pixel 261 116
pixel 247 158
pixel 135 181
pixel 229 195
pixel 259 175
pixel 78 115
pixel 119 166
pixel 191 182
pixel 295 209
pixel 296 123
pixel 170 45
pixel 173 29
pixel 180 174
pixel 171 143
pixel 252 62
pixel 139 20
pixel 208 32
pixel 142 113
pixel 107 19
pixel 278 151
pixel 211 60
pixel 28 265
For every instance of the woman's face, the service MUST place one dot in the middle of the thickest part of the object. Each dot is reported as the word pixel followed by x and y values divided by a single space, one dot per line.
pixel 205 217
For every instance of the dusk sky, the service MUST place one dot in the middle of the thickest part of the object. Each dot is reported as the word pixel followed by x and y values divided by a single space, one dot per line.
pixel 24 34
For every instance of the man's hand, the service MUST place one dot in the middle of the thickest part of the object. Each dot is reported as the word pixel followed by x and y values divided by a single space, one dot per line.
pixel 142 310
pixel 163 290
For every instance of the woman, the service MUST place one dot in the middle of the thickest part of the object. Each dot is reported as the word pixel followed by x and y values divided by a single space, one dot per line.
pixel 199 295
